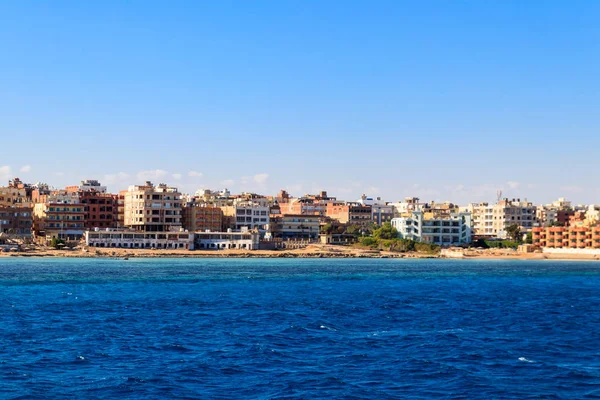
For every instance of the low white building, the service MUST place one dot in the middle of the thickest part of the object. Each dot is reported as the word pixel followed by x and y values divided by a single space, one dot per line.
pixel 444 231
pixel 129 239
pixel 244 240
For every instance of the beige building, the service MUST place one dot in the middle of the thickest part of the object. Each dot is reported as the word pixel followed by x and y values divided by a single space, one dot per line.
pixel 150 208
pixel 251 214
pixel 483 219
pixel 492 220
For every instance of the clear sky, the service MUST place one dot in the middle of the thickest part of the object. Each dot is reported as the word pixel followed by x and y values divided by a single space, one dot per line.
pixel 444 100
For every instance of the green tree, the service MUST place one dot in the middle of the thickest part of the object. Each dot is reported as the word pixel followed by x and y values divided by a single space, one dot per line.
pixel 514 232
pixel 55 242
pixel 353 230
pixel 387 231
pixel 327 229
pixel 529 239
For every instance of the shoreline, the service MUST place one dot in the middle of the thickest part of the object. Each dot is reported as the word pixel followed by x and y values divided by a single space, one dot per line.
pixel 314 251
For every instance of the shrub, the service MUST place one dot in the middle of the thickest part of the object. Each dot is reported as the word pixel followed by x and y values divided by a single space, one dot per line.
pixel 368 241
pixel 55 242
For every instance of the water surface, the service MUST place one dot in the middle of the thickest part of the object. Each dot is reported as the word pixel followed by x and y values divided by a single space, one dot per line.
pixel 293 328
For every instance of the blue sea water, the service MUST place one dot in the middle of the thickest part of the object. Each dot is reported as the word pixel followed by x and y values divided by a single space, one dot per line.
pixel 298 329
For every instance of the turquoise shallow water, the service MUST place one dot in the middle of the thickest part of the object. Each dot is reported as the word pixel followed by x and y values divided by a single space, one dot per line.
pixel 290 328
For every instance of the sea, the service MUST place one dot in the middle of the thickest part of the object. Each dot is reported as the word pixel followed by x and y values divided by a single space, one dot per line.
pixel 299 329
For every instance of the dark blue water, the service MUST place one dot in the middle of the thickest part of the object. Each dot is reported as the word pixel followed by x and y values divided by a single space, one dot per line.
pixel 301 329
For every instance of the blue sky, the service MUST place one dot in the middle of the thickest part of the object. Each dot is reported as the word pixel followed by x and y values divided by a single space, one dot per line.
pixel 437 99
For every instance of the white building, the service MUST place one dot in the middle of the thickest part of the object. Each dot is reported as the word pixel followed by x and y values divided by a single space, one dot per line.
pixel 407 206
pixel 120 238
pixel 129 239
pixel 92 185
pixel 250 214
pixel 444 231
pixel 244 240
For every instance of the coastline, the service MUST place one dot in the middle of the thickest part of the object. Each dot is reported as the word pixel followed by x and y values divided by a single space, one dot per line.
pixel 313 251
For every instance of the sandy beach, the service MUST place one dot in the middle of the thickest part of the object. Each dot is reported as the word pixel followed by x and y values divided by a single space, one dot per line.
pixel 312 251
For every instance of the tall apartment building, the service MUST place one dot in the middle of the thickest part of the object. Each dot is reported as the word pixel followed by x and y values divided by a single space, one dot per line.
pixel 100 209
pixel 16 220
pixel 451 230
pixel 492 220
pixel 251 214
pixel 150 208
pixel 55 219
pixel 201 217
pixel 57 213
pixel 16 208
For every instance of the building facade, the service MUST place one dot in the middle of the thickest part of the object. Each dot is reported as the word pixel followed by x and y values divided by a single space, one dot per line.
pixel 200 217
pixel 492 220
pixel 149 208
pixel 570 237
pixel 295 227
pixel 130 239
pixel 247 214
pixel 350 213
pixel 59 220
pixel 382 213
pixel 16 220
pixel 244 240
pixel 100 209
pixel 452 230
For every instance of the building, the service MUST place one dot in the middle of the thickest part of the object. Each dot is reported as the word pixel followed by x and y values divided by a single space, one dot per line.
pixel 100 209
pixel 404 208
pixel 221 198
pixel 592 214
pixel 303 206
pixel 244 240
pixel 492 221
pixel 131 239
pixel 87 186
pixel 16 220
pixel 16 208
pixel 557 213
pixel 382 213
pixel 350 213
pixel 16 194
pixel 149 208
pixel 483 219
pixel 121 209
pixel 450 230
pixel 54 219
pixel 249 214
pixel 202 217
pixel 569 237
pixel 337 239
pixel 295 227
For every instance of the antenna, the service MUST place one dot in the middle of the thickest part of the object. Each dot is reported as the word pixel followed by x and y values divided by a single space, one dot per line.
pixel 499 194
